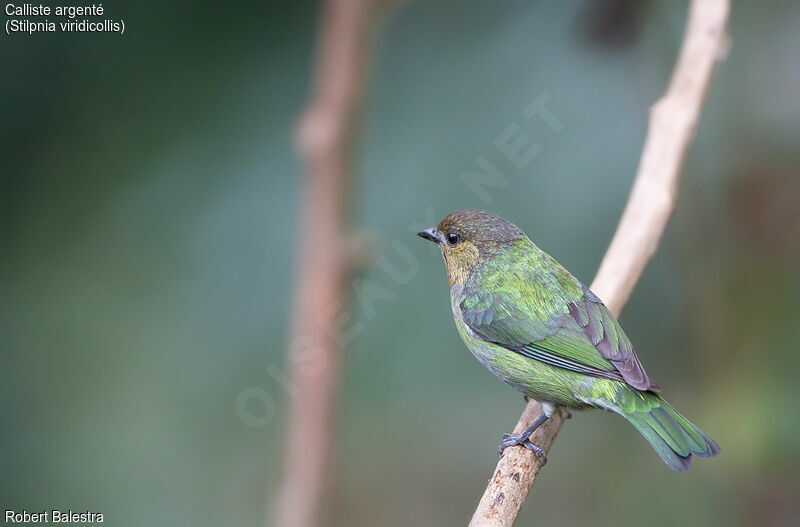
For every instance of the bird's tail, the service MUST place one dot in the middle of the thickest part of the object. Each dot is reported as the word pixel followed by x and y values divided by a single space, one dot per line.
pixel 673 436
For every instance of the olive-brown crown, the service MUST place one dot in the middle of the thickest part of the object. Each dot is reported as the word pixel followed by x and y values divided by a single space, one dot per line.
pixel 484 230
pixel 468 237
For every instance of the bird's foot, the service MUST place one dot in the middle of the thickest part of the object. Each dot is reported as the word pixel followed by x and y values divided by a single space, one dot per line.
pixel 520 439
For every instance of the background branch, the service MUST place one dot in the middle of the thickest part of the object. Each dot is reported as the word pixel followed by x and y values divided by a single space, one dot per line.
pixel 324 140
pixel 673 121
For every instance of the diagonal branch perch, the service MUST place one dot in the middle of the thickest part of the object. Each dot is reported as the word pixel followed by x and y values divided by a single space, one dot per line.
pixel 673 121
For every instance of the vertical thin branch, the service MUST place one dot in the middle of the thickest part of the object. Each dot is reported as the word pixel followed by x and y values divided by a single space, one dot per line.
pixel 324 140
pixel 673 121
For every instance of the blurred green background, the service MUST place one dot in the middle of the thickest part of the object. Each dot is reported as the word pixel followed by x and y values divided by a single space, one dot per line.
pixel 148 213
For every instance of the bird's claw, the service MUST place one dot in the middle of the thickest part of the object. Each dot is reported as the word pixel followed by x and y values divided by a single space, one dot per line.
pixel 519 440
pixel 539 451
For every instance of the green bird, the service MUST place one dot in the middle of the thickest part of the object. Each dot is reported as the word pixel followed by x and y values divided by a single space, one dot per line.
pixel 541 331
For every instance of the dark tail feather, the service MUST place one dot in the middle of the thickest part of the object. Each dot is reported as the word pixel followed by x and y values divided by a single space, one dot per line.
pixel 673 436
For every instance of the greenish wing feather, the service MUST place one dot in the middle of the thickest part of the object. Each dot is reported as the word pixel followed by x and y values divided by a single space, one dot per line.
pixel 499 317
pixel 569 344
pixel 580 335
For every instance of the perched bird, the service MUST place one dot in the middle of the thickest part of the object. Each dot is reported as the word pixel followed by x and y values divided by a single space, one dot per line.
pixel 541 331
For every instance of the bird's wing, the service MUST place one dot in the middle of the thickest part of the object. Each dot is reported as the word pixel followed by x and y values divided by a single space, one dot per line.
pixel 579 335
pixel 605 333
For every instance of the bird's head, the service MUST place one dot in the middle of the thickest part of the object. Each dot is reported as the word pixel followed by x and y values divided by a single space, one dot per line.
pixel 469 237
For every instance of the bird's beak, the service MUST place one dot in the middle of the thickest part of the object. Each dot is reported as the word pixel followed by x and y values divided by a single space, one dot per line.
pixel 429 234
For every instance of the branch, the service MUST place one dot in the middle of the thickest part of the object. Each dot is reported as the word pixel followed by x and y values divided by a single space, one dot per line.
pixel 673 121
pixel 324 140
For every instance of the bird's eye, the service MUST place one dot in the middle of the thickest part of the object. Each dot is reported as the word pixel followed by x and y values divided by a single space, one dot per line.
pixel 453 238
